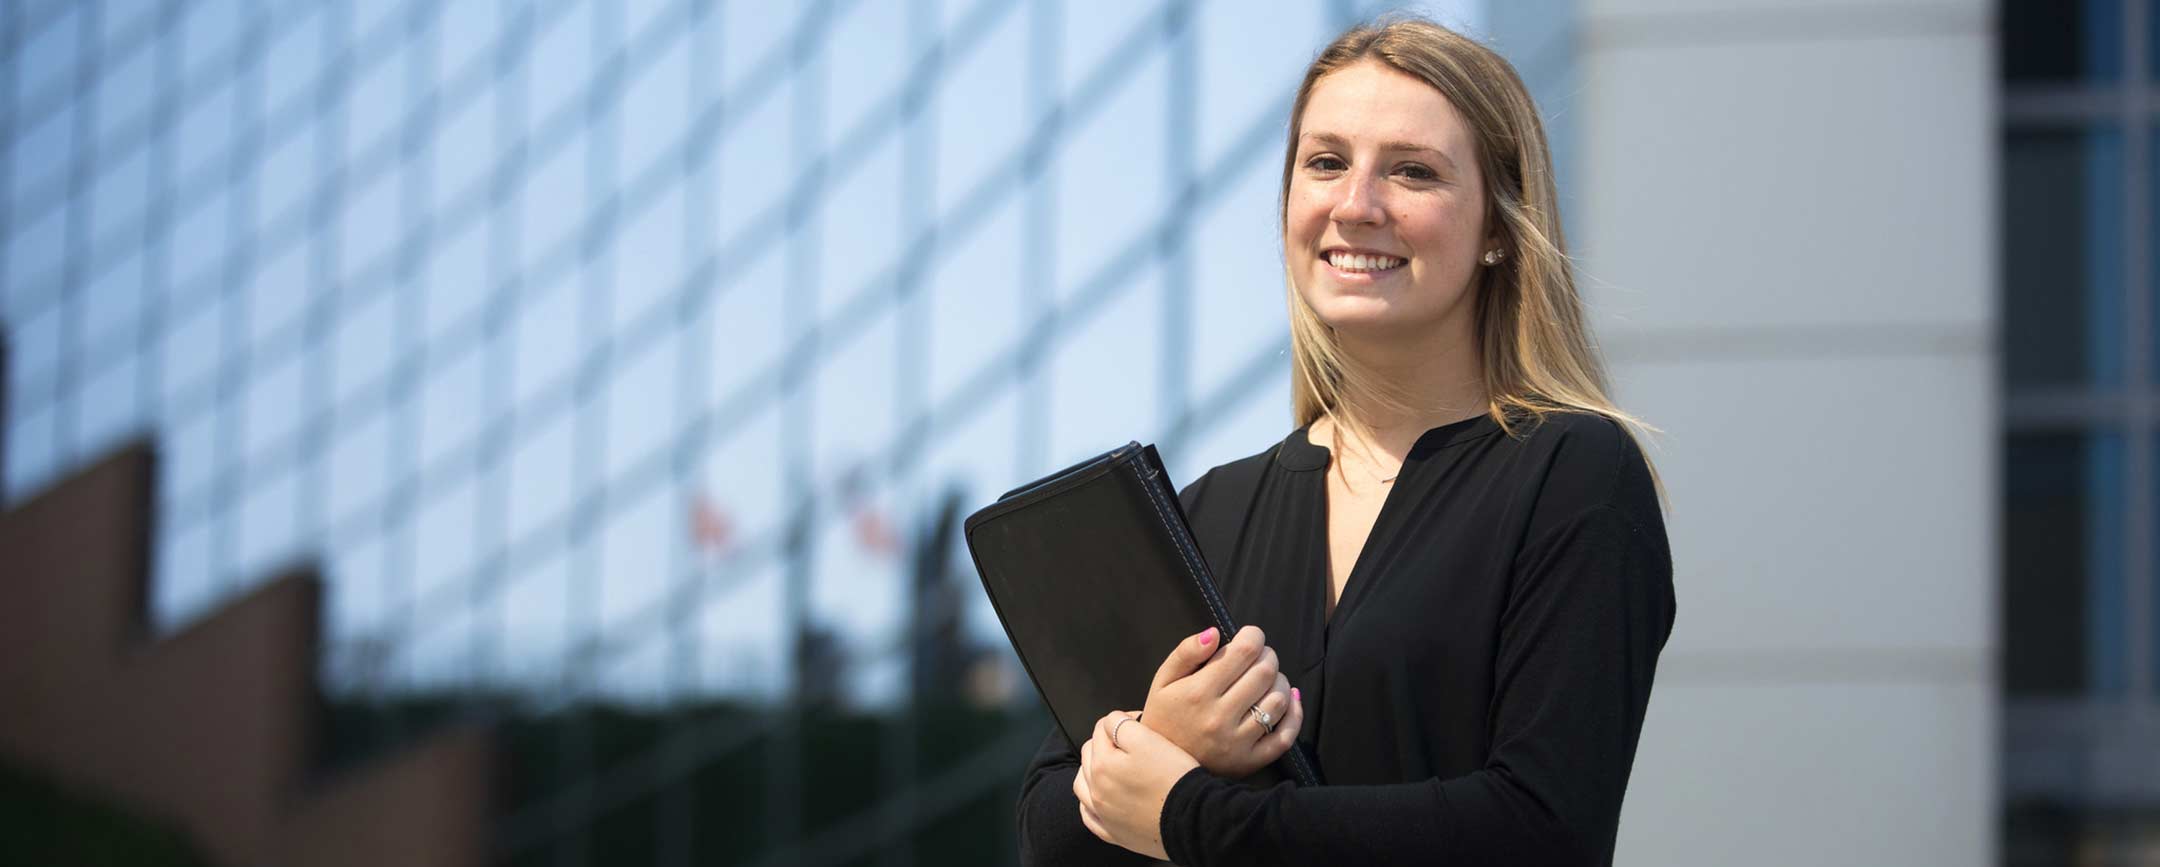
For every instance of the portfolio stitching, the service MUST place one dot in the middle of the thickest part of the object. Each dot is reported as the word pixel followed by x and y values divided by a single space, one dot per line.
pixel 1222 612
pixel 1303 772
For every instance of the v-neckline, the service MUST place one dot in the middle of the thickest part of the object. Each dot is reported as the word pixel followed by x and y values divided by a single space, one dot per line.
pixel 1330 614
pixel 1311 456
pixel 1352 583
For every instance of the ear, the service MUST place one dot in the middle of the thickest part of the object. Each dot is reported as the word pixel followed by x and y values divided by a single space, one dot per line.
pixel 1496 240
pixel 1495 236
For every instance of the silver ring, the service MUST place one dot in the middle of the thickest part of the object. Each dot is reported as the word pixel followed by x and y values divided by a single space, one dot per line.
pixel 1113 731
pixel 1266 720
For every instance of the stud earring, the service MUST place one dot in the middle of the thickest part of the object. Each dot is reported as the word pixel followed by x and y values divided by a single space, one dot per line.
pixel 1493 257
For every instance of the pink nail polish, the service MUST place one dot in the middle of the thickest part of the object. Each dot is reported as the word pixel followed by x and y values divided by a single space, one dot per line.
pixel 1207 636
pixel 1294 696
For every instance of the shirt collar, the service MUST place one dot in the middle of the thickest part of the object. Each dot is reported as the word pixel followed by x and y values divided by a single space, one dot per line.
pixel 1299 454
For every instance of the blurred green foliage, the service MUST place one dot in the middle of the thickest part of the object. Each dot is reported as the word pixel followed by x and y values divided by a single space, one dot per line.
pixel 43 823
pixel 716 807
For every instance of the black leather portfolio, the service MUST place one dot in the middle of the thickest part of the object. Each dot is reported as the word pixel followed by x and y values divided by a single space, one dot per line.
pixel 1096 577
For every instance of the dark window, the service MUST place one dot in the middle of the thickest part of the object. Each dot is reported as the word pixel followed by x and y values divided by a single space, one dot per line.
pixel 2062 41
pixel 2051 567
pixel 2062 257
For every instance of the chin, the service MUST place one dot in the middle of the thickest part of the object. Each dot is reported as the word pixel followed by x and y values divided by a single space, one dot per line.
pixel 1340 306
pixel 1372 316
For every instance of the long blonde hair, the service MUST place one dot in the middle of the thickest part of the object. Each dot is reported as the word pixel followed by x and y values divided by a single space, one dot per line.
pixel 1536 348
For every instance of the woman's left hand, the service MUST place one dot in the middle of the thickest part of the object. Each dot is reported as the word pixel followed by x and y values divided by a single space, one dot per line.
pixel 1122 785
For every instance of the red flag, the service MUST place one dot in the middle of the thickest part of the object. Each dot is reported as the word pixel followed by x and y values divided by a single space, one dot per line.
pixel 874 533
pixel 710 529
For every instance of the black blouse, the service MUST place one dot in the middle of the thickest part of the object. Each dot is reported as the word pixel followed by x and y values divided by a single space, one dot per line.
pixel 1476 696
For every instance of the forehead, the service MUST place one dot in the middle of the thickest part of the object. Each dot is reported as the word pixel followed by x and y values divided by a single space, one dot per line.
pixel 1370 102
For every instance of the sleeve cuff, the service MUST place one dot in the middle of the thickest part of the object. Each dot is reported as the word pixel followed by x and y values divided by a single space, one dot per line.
pixel 1176 829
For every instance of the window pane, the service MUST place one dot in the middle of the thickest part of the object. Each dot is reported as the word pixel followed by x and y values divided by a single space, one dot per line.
pixel 2062 564
pixel 2063 257
pixel 2047 41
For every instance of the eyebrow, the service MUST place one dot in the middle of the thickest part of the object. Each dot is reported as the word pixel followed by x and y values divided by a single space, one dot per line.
pixel 1333 140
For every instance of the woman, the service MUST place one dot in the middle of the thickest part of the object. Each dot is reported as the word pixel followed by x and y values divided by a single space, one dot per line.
pixel 1457 561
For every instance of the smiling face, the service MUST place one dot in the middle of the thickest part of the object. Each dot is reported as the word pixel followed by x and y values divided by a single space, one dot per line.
pixel 1384 218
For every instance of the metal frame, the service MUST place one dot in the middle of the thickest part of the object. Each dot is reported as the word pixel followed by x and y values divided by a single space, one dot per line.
pixel 2138 117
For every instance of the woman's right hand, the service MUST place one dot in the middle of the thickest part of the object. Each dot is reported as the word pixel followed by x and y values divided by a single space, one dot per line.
pixel 1201 700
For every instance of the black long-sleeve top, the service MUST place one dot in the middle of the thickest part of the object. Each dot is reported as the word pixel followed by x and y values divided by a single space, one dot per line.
pixel 1476 696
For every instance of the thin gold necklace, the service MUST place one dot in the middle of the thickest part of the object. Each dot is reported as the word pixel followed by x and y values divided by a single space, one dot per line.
pixel 1335 439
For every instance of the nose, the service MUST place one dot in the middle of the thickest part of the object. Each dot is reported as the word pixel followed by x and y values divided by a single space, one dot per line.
pixel 1357 201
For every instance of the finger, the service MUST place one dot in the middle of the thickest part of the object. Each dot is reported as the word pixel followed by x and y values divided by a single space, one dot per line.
pixel 1238 654
pixel 1277 707
pixel 1188 656
pixel 1123 714
pixel 1256 681
pixel 1081 790
pixel 1107 730
pixel 1088 816
pixel 1281 689
pixel 1094 824
pixel 1136 735
pixel 1286 734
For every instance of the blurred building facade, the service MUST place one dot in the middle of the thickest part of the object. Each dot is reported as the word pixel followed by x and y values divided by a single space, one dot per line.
pixel 2081 173
pixel 1894 260
pixel 623 367
pixel 1784 213
pixel 617 364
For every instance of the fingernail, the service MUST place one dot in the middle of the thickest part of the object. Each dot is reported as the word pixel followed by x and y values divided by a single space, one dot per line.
pixel 1294 696
pixel 1207 636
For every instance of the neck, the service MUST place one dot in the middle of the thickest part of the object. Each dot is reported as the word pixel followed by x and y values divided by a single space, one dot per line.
pixel 1439 379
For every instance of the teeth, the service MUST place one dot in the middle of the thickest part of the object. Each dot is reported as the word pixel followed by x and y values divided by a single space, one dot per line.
pixel 1361 262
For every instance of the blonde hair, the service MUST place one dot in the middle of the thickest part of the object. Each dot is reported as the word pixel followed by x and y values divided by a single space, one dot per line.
pixel 1535 347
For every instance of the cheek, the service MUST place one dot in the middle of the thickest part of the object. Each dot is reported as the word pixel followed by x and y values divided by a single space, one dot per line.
pixel 1306 214
pixel 1452 236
